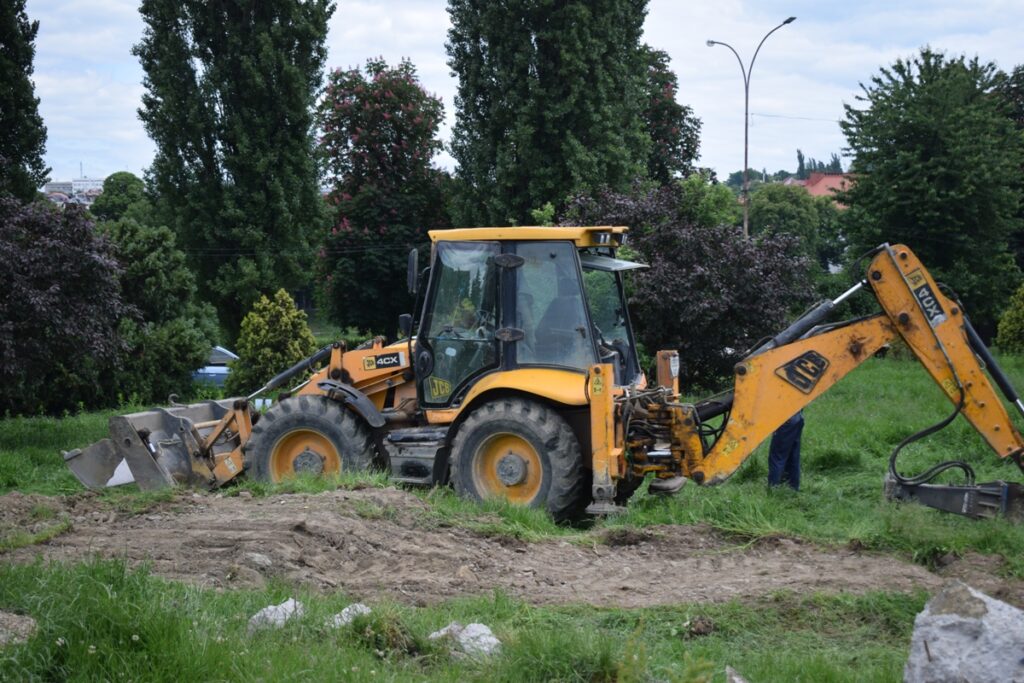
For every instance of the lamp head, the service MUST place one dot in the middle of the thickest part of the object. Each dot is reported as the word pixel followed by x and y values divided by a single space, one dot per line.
pixel 789 21
pixel 711 43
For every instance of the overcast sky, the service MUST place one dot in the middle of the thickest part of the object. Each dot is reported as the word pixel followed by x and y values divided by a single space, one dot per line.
pixel 90 85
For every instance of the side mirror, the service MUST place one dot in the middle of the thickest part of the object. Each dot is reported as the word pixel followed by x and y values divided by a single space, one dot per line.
pixel 405 324
pixel 412 275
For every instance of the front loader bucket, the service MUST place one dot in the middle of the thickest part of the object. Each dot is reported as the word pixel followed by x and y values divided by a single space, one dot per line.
pixel 157 446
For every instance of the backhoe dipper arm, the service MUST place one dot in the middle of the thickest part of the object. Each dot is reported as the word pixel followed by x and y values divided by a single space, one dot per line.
pixel 788 372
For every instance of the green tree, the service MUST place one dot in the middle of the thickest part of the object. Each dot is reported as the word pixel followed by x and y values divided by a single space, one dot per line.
pixel 230 89
pixel 549 102
pixel 789 209
pixel 672 127
pixel 22 134
pixel 707 203
pixel 120 190
pixel 170 333
pixel 274 337
pixel 938 167
pixel 1011 90
pixel 379 135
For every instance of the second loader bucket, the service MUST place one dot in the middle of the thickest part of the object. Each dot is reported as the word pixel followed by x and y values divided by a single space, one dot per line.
pixel 158 446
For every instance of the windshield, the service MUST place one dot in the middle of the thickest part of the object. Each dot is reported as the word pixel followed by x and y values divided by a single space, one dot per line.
pixel 608 313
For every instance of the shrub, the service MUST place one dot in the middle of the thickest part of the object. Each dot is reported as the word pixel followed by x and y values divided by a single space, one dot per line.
pixel 709 292
pixel 274 337
pixel 59 309
pixel 1010 335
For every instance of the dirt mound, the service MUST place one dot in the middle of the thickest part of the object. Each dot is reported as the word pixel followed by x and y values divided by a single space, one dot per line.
pixel 378 542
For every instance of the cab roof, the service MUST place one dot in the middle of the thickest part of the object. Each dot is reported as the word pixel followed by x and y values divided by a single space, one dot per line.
pixel 590 236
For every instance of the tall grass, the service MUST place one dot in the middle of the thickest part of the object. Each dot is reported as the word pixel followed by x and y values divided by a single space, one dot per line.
pixel 101 621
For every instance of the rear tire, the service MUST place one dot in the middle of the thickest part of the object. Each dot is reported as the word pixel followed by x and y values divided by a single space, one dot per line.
pixel 308 434
pixel 523 452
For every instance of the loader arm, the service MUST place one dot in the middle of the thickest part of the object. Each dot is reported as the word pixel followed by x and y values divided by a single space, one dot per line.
pixel 808 358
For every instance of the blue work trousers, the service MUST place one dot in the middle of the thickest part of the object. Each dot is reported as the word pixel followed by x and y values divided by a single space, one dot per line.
pixel 784 453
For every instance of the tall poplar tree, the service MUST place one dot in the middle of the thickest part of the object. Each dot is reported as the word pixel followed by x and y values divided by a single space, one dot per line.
pixel 22 134
pixel 549 102
pixel 230 93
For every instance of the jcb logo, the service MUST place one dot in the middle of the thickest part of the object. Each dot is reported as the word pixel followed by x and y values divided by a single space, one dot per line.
pixel 440 388
pixel 926 298
pixel 804 371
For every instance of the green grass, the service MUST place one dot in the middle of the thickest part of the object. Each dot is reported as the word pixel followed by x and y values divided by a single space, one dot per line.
pixel 21 539
pixel 30 459
pixel 101 621
pixel 849 434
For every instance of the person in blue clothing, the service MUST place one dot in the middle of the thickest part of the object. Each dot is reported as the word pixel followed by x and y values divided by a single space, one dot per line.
pixel 784 453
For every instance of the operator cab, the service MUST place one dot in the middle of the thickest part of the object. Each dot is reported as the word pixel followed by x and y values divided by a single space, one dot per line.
pixel 505 304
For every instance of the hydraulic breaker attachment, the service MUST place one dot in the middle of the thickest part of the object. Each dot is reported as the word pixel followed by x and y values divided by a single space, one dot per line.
pixel 197 444
pixel 990 499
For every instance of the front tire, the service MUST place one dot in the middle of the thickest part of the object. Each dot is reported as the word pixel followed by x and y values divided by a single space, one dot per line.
pixel 308 435
pixel 523 452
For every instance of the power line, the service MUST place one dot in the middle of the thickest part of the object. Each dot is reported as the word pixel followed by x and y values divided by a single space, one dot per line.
pixel 795 118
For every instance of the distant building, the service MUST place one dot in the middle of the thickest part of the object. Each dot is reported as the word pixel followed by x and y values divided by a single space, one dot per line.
pixel 62 186
pixel 82 191
pixel 82 185
pixel 820 184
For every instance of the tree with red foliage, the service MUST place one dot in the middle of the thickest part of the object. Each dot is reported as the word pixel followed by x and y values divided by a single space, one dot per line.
pixel 674 130
pixel 59 310
pixel 709 292
pixel 379 131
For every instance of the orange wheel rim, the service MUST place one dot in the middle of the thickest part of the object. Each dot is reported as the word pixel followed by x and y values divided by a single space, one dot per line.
pixel 508 466
pixel 303 451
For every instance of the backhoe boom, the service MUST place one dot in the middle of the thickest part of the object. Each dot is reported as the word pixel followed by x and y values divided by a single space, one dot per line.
pixel 804 361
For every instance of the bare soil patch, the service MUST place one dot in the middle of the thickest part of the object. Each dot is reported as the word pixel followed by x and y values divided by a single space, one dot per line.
pixel 382 542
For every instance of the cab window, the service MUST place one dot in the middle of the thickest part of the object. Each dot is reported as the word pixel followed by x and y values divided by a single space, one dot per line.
pixel 463 317
pixel 550 308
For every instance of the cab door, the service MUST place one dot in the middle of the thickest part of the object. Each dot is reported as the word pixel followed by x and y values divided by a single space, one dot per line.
pixel 457 341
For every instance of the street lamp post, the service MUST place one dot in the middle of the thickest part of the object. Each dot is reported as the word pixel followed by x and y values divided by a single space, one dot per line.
pixel 746 117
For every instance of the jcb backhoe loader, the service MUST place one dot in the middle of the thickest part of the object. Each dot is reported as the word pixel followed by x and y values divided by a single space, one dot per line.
pixel 523 383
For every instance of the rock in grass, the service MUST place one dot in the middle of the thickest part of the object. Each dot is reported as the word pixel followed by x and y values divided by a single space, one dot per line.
pixel 348 615
pixel 275 616
pixel 476 640
pixel 15 628
pixel 732 676
pixel 966 636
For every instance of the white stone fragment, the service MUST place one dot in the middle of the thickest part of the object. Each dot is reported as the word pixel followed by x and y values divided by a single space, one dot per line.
pixel 275 616
pixel 348 615
pixel 475 640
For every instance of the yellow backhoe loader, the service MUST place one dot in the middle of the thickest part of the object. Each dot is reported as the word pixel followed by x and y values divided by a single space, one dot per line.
pixel 522 382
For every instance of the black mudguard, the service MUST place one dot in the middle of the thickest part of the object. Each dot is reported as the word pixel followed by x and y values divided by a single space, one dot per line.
pixel 354 399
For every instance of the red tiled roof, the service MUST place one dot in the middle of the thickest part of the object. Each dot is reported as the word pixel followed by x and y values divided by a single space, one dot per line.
pixel 826 184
